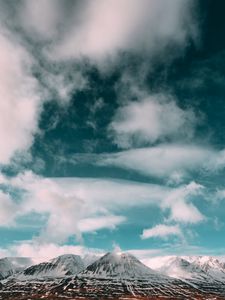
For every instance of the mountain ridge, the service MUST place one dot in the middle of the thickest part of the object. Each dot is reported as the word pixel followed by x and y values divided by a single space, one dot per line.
pixel 118 275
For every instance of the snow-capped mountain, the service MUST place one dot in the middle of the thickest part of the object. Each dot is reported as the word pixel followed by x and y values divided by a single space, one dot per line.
pixel 118 276
pixel 69 263
pixel 119 265
pixel 212 266
pixel 89 259
pixel 189 267
pixel 60 266
pixel 178 267
pixel 12 265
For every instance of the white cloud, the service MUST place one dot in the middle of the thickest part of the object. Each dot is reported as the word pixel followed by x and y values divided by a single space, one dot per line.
pixel 217 163
pixel 162 231
pixel 150 120
pixel 94 29
pixel 93 224
pixel 145 253
pixel 165 160
pixel 75 205
pixel 157 262
pixel 181 209
pixel 8 209
pixel 41 17
pixel 46 251
pixel 104 28
pixel 64 84
pixel 20 101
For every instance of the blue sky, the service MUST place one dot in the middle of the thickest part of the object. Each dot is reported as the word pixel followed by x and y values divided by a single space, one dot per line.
pixel 112 127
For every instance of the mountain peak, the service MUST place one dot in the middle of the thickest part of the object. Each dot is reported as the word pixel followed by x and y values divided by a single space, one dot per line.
pixel 119 265
pixel 67 264
pixel 12 265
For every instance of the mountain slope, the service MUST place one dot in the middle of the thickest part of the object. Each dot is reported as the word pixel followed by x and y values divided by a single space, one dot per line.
pixel 210 265
pixel 113 276
pixel 12 265
pixel 180 268
pixel 120 265
pixel 58 267
pixel 122 276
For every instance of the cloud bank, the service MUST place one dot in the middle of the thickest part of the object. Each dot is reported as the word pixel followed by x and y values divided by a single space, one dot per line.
pixel 73 206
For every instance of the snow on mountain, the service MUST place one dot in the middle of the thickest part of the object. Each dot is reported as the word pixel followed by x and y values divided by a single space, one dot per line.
pixel 89 259
pixel 119 265
pixel 121 276
pixel 60 266
pixel 212 266
pixel 12 265
pixel 180 268
pixel 189 267
pixel 70 263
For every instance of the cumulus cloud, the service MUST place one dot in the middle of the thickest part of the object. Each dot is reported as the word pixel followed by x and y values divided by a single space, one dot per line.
pixel 161 231
pixel 104 28
pixel 21 93
pixel 181 209
pixel 150 120
pixel 20 101
pixel 46 251
pixel 8 209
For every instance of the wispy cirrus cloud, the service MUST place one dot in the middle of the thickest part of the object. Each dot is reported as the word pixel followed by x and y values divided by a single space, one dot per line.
pixel 162 231
pixel 94 224
pixel 168 161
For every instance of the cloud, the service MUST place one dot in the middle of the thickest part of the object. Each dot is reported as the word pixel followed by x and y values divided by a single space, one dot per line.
pixel 20 101
pixel 150 120
pixel 46 251
pixel 8 209
pixel 62 84
pixel 105 28
pixel 181 210
pixel 41 18
pixel 93 224
pixel 171 161
pixel 161 231
pixel 72 30
pixel 72 206
pixel 217 163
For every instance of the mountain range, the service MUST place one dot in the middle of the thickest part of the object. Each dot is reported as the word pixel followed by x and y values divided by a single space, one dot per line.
pixel 112 276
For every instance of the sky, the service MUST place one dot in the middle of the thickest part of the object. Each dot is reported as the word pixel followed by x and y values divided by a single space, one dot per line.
pixel 112 121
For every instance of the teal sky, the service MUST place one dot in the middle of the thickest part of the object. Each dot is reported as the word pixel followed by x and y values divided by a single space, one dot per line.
pixel 112 121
